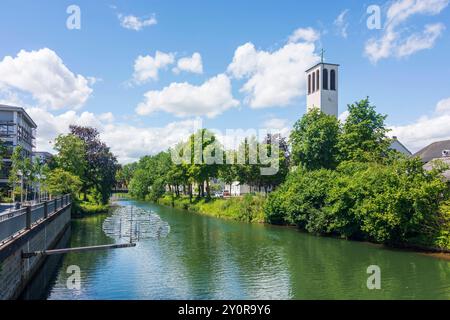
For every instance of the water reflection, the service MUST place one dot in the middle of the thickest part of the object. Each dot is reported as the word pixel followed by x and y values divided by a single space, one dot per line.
pixel 207 258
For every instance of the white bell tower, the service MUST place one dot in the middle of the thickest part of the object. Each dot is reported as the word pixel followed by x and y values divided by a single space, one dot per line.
pixel 322 88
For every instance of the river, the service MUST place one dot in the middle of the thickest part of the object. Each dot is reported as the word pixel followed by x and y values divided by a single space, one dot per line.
pixel 209 258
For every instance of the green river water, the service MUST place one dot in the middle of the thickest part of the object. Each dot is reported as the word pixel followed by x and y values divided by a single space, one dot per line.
pixel 208 258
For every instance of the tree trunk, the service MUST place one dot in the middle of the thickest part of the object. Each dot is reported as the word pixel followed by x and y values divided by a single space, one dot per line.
pixel 208 191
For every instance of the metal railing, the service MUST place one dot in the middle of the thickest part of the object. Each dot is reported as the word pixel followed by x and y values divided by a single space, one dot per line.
pixel 13 223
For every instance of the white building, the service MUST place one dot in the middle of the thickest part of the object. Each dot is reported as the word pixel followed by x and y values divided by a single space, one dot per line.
pixel 322 88
pixel 238 189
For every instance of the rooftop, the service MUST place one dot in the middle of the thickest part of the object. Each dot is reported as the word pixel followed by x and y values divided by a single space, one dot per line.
pixel 4 107
pixel 324 63
pixel 430 165
pixel 433 151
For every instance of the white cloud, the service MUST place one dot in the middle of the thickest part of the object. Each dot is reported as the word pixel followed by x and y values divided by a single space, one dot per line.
pixel 421 41
pixel 276 78
pixel 341 24
pixel 147 67
pixel 190 64
pixel 135 23
pixel 183 99
pixel 443 106
pixel 304 34
pixel 277 125
pixel 426 129
pixel 343 116
pixel 393 41
pixel 127 142
pixel 49 126
pixel 44 76
pixel 107 117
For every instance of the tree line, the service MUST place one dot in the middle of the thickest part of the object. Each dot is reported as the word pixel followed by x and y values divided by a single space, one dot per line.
pixel 336 178
pixel 347 182
pixel 153 176
pixel 83 166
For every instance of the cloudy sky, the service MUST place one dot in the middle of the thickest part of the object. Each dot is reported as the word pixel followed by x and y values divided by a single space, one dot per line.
pixel 146 73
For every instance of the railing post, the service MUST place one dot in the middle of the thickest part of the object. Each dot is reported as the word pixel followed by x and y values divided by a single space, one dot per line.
pixel 45 210
pixel 28 218
pixel 56 204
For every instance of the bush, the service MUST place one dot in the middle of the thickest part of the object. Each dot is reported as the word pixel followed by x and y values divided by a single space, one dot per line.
pixel 301 200
pixel 396 203
pixel 90 208
pixel 249 208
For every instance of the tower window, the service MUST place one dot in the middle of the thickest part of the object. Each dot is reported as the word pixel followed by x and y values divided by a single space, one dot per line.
pixel 318 79
pixel 325 79
pixel 309 84
pixel 313 82
pixel 333 80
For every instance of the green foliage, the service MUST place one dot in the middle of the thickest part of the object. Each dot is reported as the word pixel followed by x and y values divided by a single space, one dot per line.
pixel 91 208
pixel 371 201
pixel 60 182
pixel 71 155
pixel 370 193
pixel 150 176
pixel 314 141
pixel 101 164
pixel 249 208
pixel 301 200
pixel 363 135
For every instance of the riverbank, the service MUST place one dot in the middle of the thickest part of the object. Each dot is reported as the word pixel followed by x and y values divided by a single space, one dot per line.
pixel 208 258
pixel 86 208
pixel 249 208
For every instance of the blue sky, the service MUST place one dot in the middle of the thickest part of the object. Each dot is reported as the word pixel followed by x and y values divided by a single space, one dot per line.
pixel 407 78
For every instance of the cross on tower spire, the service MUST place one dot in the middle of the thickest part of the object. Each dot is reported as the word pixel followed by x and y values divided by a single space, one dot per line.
pixel 321 54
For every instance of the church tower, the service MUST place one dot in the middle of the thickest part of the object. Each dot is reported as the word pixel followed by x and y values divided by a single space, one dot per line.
pixel 322 88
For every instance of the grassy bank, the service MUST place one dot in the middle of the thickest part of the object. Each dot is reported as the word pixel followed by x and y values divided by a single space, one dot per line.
pixel 249 208
pixel 89 208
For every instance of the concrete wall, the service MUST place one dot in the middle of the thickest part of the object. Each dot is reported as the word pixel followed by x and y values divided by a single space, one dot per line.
pixel 16 272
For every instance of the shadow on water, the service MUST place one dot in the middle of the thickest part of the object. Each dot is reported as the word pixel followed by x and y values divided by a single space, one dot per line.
pixel 81 232
pixel 45 277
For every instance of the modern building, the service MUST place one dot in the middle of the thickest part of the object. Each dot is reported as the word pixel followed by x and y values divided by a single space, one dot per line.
pixel 439 150
pixel 16 129
pixel 42 156
pixel 322 88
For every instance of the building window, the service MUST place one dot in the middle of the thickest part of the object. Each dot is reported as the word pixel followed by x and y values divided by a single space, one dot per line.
pixel 313 82
pixel 318 79
pixel 325 79
pixel 309 84
pixel 333 80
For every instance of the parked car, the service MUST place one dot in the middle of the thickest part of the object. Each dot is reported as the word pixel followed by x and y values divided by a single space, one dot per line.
pixel 218 194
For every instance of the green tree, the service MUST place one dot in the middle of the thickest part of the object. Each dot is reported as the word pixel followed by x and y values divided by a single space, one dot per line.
pixel 101 164
pixel 314 140
pixel 60 182
pixel 16 173
pixel 364 132
pixel 71 155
